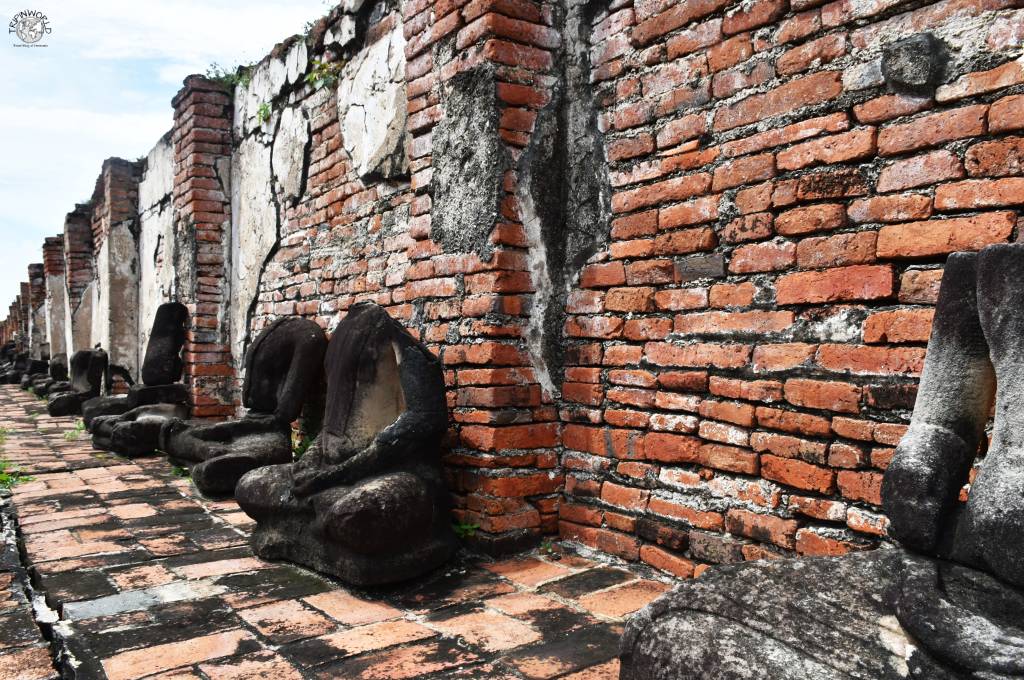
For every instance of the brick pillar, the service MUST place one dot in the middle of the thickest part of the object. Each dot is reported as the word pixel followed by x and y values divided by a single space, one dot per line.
pixel 115 233
pixel 38 344
pixel 23 315
pixel 79 271
pixel 56 294
pixel 202 217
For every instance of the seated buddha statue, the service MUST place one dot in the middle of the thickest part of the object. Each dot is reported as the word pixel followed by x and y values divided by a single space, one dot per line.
pixel 947 602
pixel 87 368
pixel 367 503
pixel 283 369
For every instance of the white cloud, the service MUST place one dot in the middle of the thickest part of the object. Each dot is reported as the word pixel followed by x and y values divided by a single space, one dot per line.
pixel 102 87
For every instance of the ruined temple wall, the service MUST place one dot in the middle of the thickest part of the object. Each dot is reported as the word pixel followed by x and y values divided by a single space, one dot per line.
pixel 156 238
pixel 747 348
pixel 39 345
pixel 55 294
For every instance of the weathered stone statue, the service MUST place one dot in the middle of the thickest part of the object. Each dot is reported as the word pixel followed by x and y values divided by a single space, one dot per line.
pixel 57 373
pixel 367 502
pixel 37 370
pixel 87 368
pixel 949 601
pixel 130 424
pixel 161 369
pixel 283 367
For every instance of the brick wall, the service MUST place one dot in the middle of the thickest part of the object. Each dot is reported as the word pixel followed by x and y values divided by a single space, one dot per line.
pixel 697 341
pixel 749 343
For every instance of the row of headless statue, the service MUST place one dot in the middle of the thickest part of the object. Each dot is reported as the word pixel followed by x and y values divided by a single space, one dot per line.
pixel 367 503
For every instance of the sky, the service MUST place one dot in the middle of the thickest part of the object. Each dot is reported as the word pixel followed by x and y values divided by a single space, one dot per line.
pixel 102 87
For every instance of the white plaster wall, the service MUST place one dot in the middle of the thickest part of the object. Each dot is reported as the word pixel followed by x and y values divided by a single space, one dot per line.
pixel 122 291
pixel 56 305
pixel 156 239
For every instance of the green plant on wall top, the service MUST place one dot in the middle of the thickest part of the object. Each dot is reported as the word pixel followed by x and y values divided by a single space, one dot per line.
pixel 323 73
pixel 239 75
pixel 263 113
pixel 465 530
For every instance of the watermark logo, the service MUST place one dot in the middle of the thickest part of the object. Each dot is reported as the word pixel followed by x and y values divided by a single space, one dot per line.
pixel 30 26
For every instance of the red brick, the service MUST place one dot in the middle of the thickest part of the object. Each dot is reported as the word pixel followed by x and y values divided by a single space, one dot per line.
pixel 603 327
pixel 732 295
pixel 797 474
pixel 763 257
pixel 804 129
pixel 815 52
pixel 818 508
pixel 629 299
pixel 889 106
pixel 901 208
pixel 758 14
pixel 744 170
pixel 666 561
pixel 703 209
pixel 862 282
pixel 818 394
pixel 717 323
pixel 697 355
pixel 730 52
pixel 692 516
pixel 814 544
pixel 812 218
pixel 929 168
pixel 685 241
pixel 751 390
pixel 764 528
pixel 769 358
pixel 790 421
pixel 980 193
pixel 666 191
pixel 1007 114
pixel 671 448
pixel 937 237
pixel 843 455
pixel 853 145
pixel 748 228
pixel 861 486
pixel 898 326
pixel 932 129
pixel 603 275
pixel 676 16
pixel 790 96
pixel 681 299
pixel 970 84
pixel 630 147
pixel 624 496
pixel 786 446
pixel 837 251
pixel 996 158
pixel 707 34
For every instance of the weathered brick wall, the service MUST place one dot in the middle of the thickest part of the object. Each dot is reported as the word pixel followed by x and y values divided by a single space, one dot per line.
pixel 748 345
pixel 79 271
pixel 678 257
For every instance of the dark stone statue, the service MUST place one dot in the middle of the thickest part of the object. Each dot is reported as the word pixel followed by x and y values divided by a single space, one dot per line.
pixel 948 602
pixel 56 374
pixel 283 368
pixel 130 424
pixel 367 502
pixel 19 362
pixel 87 368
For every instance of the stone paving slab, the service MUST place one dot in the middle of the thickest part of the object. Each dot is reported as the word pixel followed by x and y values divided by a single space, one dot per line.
pixel 150 579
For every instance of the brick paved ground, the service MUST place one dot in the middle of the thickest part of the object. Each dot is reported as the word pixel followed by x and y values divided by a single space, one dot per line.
pixel 152 580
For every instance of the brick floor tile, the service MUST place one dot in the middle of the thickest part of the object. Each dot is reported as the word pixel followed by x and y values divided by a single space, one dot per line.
pixel 145 576
pixel 528 571
pixel 133 511
pixel 351 610
pixel 578 650
pixel 27 664
pixel 401 663
pixel 491 631
pixel 359 640
pixel 221 567
pixel 605 671
pixel 625 599
pixel 139 662
pixel 517 604
pixel 250 667
pixel 581 584
pixel 286 621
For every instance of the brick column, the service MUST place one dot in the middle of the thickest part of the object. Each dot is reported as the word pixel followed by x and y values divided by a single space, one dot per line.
pixel 38 344
pixel 55 295
pixel 202 216
pixel 24 312
pixel 115 247
pixel 79 270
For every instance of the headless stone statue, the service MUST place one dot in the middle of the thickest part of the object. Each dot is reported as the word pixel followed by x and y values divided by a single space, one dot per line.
pixel 130 424
pixel 948 603
pixel 367 502
pixel 283 369
pixel 87 368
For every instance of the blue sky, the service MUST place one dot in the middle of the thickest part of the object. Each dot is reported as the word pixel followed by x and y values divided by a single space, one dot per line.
pixel 102 87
